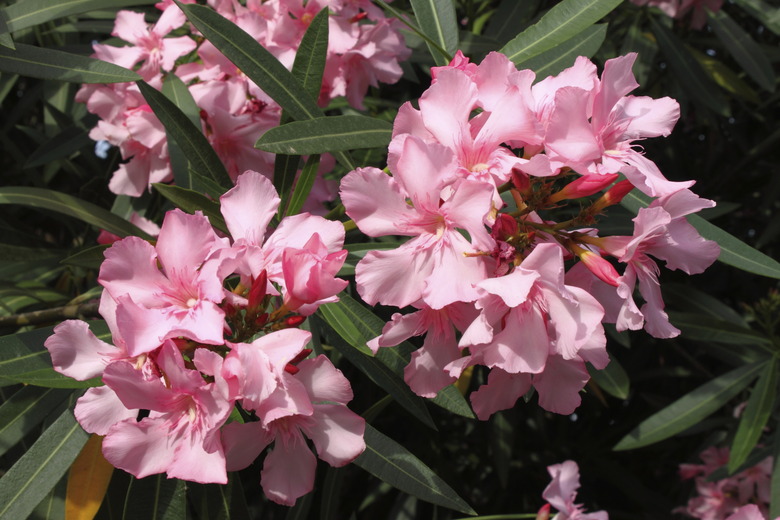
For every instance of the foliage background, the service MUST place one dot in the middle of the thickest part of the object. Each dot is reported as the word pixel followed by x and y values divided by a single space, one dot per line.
pixel 727 140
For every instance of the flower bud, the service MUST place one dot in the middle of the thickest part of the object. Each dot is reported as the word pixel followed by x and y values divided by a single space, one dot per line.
pixel 294 321
pixel 614 195
pixel 258 290
pixel 584 186
pixel 504 227
pixel 544 513
pixel 597 265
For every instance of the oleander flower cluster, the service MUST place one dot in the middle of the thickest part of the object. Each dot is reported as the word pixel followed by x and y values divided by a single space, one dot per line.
pixel 498 184
pixel 695 10
pixel 748 490
pixel 208 367
pixel 364 48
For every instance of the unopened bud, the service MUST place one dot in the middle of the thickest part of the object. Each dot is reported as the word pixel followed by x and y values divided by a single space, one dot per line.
pixel 262 319
pixel 584 186
pixel 294 321
pixel 258 290
pixel 291 369
pixel 614 195
pixel 358 17
pixel 598 265
pixel 303 354
pixel 544 513
pixel 504 227
pixel 520 180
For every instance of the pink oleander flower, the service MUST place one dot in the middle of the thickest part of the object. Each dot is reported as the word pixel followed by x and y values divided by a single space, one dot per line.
pixel 435 265
pixel 562 492
pixel 679 9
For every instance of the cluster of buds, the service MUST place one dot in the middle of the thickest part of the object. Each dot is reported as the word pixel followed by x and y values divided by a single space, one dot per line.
pixel 497 181
pixel 364 48
pixel 208 366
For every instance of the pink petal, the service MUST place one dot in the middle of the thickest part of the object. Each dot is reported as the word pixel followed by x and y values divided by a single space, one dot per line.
pixel 560 383
pixel 249 206
pixel 617 80
pixel 374 201
pixel 422 170
pixel 337 433
pixel 500 393
pixel 140 448
pixel 184 243
pixel 425 372
pixel 76 352
pixel 446 106
pixel 323 381
pixel 100 408
pixel 130 26
pixel 394 277
pixel 243 443
pixel 570 135
pixel 527 356
pixel 288 471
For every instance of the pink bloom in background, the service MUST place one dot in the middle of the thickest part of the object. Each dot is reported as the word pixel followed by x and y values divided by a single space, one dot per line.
pixel 562 492
pixel 680 9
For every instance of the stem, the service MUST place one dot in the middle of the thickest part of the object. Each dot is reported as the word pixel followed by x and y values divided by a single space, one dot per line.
pixel 81 311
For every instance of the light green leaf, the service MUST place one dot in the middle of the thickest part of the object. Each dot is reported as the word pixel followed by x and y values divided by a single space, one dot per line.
pixel 437 20
pixel 28 13
pixel 756 415
pixel 689 72
pixel 71 206
pixel 612 379
pixel 690 409
pixel 564 21
pixel 303 186
pixel 392 463
pixel 745 51
pixel 554 60
pixel 36 62
pixel 23 359
pixel 207 173
pixel 41 467
pixel 192 201
pixel 25 410
pixel 327 134
pixel 733 251
pixel 156 498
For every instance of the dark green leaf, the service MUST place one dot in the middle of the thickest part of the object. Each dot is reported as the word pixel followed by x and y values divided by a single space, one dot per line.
pixel 91 258
pixel 28 13
pixel 612 379
pixel 309 64
pixel 392 463
pixel 644 44
pixel 25 410
pixel 693 300
pixel 41 467
pixel 327 134
pixel 756 415
pixel 564 21
pixel 705 328
pixel 192 201
pixel 23 359
pixel 453 401
pixel 60 146
pixel 175 90
pixel 688 70
pixel 502 439
pixel 220 502
pixel 690 409
pixel 741 46
pixel 36 62
pixel 510 16
pixel 437 20
pixel 733 251
pixel 207 173
pixel 71 206
pixel 156 498
pixel 303 186
pixel 562 56
pixel 766 13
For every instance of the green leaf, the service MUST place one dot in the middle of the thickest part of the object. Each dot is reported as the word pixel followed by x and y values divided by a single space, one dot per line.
pixel 309 64
pixel 437 20
pixel 612 379
pixel 733 251
pixel 36 62
pixel 684 296
pixel 502 439
pixel 725 78
pixel 303 186
pixel 508 17
pixel 218 501
pixel 373 368
pixel 690 409
pixel 71 206
pixel 207 173
pixel 767 14
pixel 392 463
pixel 175 90
pixel 705 328
pixel 25 410
pixel 192 201
pixel 23 359
pixel 327 134
pixel 564 21
pixel 91 258
pixel 756 415
pixel 689 72
pixel 745 51
pixel 41 467
pixel 452 400
pixel 554 60
pixel 62 145
pixel 28 13
pixel 156 498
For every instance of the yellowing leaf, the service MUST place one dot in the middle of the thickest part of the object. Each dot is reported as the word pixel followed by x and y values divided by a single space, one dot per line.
pixel 87 481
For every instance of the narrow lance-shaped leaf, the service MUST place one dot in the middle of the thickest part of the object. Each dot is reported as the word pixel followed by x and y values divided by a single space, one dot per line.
pixel 258 64
pixel 508 17
pixel 690 409
pixel 392 463
pixel 733 251
pixel 327 134
pixel 756 415
pixel 437 19
pixel 192 201
pixel 208 174
pixel 308 69
pixel 612 379
pixel 25 410
pixel 562 22
pixel 40 468
pixel 156 498
pixel 36 62
pixel 688 70
pixel 29 13
pixel 88 480
pixel 743 48
pixel 553 61
pixel 706 328
pixel 175 90
pixel 71 206
pixel 303 186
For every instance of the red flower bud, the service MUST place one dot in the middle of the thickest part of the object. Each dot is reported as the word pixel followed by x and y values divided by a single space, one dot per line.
pixel 258 290
pixel 584 186
pixel 294 321
pixel 614 195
